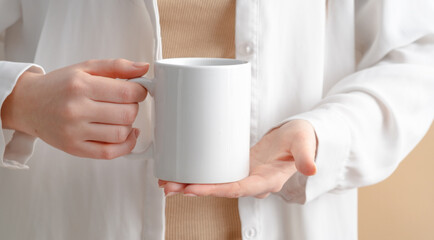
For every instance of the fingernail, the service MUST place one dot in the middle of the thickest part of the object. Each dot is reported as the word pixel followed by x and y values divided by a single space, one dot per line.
pixel 189 195
pixel 162 185
pixel 136 132
pixel 140 64
pixel 171 194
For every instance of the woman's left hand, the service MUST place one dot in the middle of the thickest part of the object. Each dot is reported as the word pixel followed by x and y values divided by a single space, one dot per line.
pixel 273 160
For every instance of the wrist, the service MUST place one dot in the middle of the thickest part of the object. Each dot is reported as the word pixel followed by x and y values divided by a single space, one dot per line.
pixel 15 109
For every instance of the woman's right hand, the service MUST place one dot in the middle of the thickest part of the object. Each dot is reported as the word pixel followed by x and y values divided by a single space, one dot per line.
pixel 80 109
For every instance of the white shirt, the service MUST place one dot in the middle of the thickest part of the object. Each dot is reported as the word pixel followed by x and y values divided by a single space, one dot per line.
pixel 361 72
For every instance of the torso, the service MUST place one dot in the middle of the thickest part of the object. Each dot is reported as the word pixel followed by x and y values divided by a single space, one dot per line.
pixel 199 28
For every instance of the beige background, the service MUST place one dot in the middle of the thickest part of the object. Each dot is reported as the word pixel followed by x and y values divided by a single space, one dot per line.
pixel 402 206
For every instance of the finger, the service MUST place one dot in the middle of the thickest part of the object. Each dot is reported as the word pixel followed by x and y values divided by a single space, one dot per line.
pixel 173 187
pixel 250 186
pixel 107 133
pixel 99 150
pixel 262 196
pixel 112 113
pixel 303 150
pixel 114 68
pixel 106 89
pixel 227 190
pixel 162 183
pixel 264 179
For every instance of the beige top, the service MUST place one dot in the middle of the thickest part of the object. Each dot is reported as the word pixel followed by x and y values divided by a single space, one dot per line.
pixel 199 28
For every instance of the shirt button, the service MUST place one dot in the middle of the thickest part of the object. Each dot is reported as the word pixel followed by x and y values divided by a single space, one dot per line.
pixel 250 232
pixel 246 48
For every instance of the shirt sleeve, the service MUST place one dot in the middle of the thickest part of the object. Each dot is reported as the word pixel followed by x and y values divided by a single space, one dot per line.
pixel 15 147
pixel 369 121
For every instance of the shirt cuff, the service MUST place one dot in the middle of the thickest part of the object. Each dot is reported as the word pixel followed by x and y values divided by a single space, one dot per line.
pixel 332 151
pixel 16 152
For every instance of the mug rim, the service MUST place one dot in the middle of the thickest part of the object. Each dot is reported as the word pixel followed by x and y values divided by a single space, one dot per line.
pixel 195 62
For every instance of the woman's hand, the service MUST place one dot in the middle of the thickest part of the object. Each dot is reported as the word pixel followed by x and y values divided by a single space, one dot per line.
pixel 81 109
pixel 273 160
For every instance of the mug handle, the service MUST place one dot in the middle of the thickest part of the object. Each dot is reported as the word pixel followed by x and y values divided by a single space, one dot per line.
pixel 147 83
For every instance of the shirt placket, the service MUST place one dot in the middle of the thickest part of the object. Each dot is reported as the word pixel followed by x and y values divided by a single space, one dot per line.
pixel 154 224
pixel 246 43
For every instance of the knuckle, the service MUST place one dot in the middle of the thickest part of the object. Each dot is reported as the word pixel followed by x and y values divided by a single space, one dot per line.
pixel 276 189
pixel 118 63
pixel 121 134
pixel 69 112
pixel 107 153
pixel 300 135
pixel 236 194
pixel 236 191
pixel 129 115
pixel 125 94
pixel 89 62
pixel 68 137
pixel 76 84
pixel 138 93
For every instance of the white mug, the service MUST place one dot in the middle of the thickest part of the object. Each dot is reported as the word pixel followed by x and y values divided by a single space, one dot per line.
pixel 202 119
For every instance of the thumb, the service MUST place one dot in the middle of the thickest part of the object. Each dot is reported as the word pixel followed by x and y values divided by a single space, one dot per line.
pixel 115 68
pixel 303 151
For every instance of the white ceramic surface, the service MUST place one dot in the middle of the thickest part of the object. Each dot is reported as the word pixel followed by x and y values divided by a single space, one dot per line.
pixel 202 123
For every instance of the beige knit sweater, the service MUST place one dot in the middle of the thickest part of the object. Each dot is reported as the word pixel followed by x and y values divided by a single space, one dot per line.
pixel 199 28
